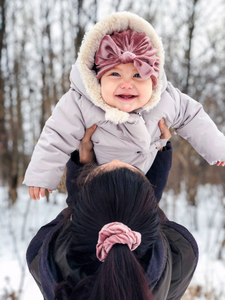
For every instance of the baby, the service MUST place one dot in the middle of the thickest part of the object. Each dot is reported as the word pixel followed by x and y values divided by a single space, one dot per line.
pixel 118 83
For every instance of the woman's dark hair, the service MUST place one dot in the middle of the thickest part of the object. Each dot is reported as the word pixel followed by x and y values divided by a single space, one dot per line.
pixel 117 195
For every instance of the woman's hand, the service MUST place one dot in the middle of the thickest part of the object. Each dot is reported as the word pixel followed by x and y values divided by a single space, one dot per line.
pixel 166 135
pixel 86 151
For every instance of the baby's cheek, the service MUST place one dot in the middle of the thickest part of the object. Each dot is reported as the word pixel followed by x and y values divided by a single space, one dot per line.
pixel 103 91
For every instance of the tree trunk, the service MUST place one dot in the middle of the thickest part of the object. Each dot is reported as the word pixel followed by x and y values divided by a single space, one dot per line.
pixel 3 134
pixel 187 56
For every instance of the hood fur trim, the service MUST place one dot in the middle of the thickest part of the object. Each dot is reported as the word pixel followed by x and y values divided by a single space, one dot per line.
pixel 115 22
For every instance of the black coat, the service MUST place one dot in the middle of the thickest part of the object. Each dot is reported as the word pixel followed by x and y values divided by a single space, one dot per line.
pixel 173 258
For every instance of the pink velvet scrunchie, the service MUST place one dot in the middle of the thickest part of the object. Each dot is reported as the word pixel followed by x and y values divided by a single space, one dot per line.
pixel 128 47
pixel 116 233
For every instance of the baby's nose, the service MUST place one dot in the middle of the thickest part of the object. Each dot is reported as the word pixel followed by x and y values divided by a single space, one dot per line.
pixel 126 84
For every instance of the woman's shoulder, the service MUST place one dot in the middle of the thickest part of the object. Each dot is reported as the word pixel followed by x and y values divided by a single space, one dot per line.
pixel 42 233
pixel 39 257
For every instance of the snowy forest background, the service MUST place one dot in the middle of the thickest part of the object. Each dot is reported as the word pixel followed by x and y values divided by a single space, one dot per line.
pixel 39 42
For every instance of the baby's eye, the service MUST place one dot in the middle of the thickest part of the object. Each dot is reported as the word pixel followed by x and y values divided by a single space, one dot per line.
pixel 137 75
pixel 115 74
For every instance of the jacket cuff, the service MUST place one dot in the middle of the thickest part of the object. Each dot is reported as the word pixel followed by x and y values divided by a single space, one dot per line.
pixel 76 158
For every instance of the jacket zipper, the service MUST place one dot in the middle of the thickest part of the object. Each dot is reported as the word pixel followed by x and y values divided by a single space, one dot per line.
pixel 140 115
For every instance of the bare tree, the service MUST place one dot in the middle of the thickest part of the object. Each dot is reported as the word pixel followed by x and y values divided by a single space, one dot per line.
pixel 15 132
pixel 80 29
pixel 188 167
pixel 3 133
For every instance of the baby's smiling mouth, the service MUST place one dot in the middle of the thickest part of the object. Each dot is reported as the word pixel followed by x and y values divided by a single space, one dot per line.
pixel 126 96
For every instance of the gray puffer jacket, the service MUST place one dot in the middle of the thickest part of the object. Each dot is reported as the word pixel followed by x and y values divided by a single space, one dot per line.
pixel 130 137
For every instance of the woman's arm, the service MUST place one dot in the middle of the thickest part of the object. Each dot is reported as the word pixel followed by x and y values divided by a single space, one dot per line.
pixel 77 160
pixel 159 171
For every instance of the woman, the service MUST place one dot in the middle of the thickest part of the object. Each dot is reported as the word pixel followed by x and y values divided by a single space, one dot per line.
pixel 113 242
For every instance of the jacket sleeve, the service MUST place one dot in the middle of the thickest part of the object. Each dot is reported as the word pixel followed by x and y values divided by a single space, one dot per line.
pixel 159 171
pixel 194 124
pixel 73 170
pixel 61 135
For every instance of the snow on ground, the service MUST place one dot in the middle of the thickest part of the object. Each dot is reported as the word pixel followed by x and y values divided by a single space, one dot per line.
pixel 19 224
pixel 16 231
pixel 209 278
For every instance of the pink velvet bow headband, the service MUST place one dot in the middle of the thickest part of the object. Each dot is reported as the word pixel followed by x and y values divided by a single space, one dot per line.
pixel 126 47
pixel 116 233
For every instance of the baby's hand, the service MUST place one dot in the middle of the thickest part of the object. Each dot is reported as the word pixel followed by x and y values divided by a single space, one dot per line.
pixel 222 163
pixel 35 192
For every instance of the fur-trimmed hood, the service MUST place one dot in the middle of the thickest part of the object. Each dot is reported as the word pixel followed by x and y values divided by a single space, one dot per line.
pixel 119 22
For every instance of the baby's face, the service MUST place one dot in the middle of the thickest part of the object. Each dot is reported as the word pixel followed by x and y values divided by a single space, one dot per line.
pixel 122 87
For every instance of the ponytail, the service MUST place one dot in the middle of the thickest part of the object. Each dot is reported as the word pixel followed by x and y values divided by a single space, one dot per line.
pixel 120 277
